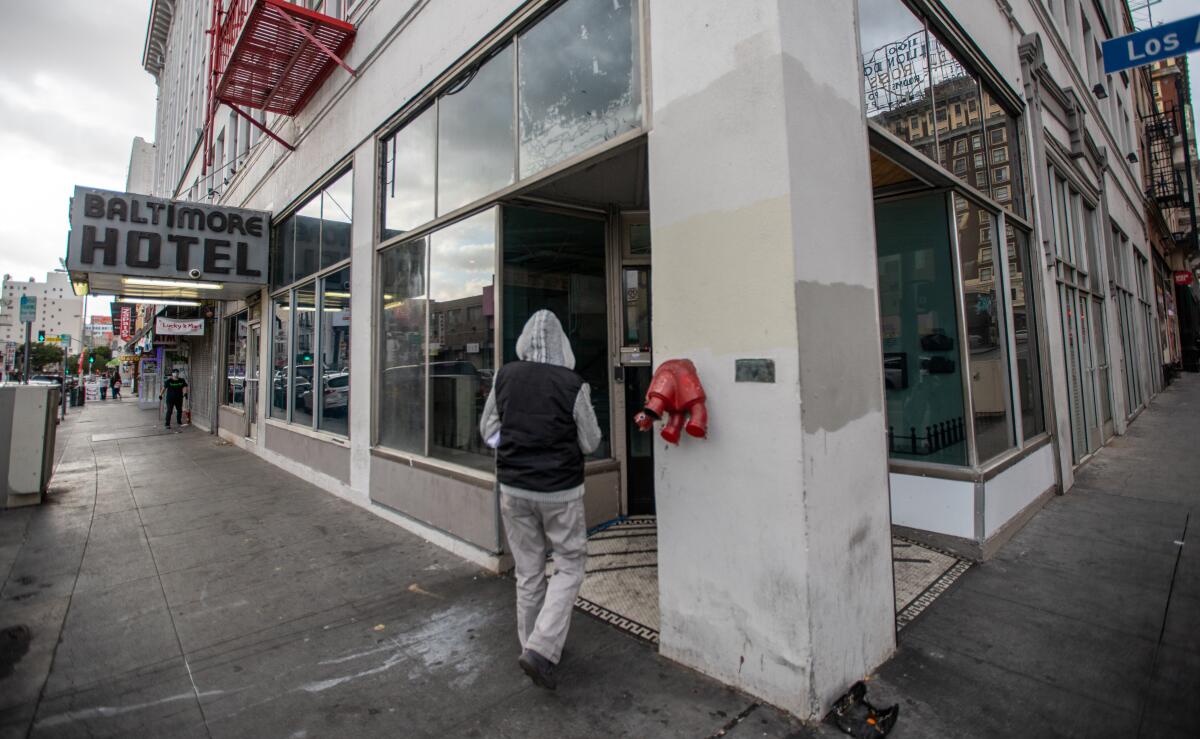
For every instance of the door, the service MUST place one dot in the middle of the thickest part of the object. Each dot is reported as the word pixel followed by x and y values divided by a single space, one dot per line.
pixel 636 361
pixel 251 392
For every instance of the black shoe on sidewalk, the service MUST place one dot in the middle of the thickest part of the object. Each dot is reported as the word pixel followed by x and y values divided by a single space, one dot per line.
pixel 539 669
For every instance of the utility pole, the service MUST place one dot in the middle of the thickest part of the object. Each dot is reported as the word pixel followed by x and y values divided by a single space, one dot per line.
pixel 28 336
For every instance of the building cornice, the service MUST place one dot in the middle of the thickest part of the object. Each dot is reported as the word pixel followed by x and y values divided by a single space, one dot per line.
pixel 154 51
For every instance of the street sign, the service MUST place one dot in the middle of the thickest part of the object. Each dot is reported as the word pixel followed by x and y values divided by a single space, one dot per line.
pixel 65 338
pixel 53 339
pixel 1184 278
pixel 1144 47
pixel 28 308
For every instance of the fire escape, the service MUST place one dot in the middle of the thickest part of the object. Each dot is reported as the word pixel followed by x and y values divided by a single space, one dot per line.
pixel 270 55
pixel 1166 186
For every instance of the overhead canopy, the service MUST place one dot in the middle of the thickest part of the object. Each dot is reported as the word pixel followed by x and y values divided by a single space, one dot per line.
pixel 141 247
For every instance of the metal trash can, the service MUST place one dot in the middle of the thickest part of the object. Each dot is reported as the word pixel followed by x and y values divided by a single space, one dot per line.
pixel 28 422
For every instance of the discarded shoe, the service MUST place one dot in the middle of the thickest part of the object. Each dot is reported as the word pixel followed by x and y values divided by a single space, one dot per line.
pixel 858 718
pixel 539 669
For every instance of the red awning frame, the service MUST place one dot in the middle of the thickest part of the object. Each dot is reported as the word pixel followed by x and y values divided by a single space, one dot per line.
pixel 270 55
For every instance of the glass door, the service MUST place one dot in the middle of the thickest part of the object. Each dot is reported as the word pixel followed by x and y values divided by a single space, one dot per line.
pixel 251 392
pixel 636 360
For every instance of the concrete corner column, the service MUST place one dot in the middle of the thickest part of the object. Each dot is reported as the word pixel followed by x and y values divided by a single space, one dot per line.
pixel 363 387
pixel 774 533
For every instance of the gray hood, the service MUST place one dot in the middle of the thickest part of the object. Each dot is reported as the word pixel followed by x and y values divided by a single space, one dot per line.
pixel 542 340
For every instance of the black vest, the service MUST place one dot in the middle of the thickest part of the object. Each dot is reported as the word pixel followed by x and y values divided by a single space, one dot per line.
pixel 539 442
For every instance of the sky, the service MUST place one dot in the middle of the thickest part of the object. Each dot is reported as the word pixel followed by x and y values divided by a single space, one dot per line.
pixel 73 95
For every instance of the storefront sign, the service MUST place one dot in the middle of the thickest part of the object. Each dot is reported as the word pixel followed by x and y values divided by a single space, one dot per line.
pixel 125 325
pixel 1151 45
pixel 138 235
pixel 164 326
pixel 1184 278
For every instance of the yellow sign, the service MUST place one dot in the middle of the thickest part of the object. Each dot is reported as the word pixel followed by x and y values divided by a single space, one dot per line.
pixel 53 340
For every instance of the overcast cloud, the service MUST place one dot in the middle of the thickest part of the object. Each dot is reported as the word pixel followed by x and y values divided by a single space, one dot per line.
pixel 73 95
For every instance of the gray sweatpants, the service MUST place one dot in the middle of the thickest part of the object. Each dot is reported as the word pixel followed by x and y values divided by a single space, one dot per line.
pixel 544 607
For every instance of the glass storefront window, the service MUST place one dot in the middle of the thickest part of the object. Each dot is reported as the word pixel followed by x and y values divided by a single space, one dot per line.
pixel 956 110
pixel 1005 143
pixel 283 257
pixel 337 205
pixel 1025 333
pixel 403 309
pixel 462 312
pixel 579 80
pixel 316 235
pixel 895 65
pixel 987 343
pixel 281 332
pixel 408 175
pixel 334 391
pixel 922 359
pixel 305 308
pixel 235 361
pixel 555 262
pixel 308 238
pixel 475 154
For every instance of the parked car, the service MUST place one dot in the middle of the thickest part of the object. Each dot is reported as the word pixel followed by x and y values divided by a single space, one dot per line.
pixel 335 387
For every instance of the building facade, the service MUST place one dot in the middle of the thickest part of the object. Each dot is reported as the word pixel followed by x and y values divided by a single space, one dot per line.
pixel 902 241
pixel 59 310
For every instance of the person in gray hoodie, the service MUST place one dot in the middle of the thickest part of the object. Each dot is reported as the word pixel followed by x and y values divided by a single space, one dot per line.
pixel 539 419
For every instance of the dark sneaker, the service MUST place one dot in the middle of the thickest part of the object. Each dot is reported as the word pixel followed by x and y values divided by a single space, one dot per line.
pixel 539 669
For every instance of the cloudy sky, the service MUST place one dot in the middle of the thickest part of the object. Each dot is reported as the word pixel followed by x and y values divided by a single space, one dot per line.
pixel 73 96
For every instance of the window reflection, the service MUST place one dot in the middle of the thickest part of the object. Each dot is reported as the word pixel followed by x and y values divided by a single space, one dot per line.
pixel 1025 333
pixel 337 204
pixel 402 295
pixel 462 313
pixel 918 315
pixel 579 80
pixel 334 391
pixel 408 176
pixel 475 134
pixel 1004 142
pixel 956 95
pixel 308 238
pixel 985 332
pixel 556 262
pixel 235 360
pixel 281 331
pixel 305 309
pixel 896 72
pixel 283 271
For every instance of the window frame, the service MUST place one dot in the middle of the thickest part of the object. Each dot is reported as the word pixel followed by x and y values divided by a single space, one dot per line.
pixel 506 34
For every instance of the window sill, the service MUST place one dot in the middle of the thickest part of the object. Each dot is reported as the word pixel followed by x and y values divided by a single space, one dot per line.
pixel 325 436
pixel 233 409
pixel 485 480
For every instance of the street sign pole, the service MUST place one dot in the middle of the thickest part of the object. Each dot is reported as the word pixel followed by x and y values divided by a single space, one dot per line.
pixel 66 370
pixel 28 336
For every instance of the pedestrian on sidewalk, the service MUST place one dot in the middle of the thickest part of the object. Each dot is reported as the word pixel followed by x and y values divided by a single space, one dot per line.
pixel 175 388
pixel 116 386
pixel 540 420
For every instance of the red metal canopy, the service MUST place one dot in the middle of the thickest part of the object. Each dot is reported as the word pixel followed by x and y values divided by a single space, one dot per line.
pixel 273 55
pixel 269 55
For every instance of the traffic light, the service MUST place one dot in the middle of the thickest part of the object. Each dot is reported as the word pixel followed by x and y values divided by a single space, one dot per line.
pixel 91 360
pixel 41 337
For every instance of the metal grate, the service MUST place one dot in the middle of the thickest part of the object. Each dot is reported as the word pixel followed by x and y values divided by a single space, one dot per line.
pixel 1165 183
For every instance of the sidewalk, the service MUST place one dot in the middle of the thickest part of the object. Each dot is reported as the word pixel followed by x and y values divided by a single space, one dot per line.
pixel 177 586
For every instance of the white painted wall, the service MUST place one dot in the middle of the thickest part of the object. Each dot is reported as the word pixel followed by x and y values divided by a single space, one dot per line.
pixel 1008 493
pixel 933 504
pixel 763 524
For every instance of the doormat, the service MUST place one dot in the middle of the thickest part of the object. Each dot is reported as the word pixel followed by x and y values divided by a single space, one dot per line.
pixel 620 586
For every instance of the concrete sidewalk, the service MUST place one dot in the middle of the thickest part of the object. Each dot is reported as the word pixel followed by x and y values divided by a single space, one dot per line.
pixel 174 585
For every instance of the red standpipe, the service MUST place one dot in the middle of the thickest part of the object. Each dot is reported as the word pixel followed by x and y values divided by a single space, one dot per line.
pixel 675 392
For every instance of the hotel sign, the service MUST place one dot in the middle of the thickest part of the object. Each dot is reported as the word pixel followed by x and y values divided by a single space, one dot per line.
pixel 138 235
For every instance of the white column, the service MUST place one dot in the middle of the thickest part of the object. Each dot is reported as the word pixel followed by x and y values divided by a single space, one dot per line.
pixel 774 535
pixel 362 330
